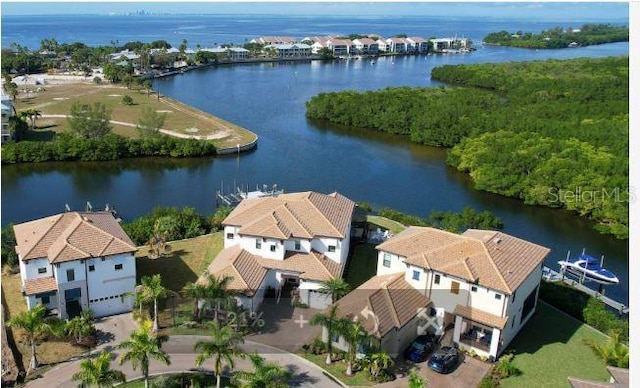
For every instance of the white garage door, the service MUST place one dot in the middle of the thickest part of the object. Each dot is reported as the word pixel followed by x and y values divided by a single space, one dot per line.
pixel 109 306
pixel 318 300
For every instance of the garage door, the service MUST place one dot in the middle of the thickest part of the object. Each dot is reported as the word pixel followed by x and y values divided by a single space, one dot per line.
pixel 109 306
pixel 318 300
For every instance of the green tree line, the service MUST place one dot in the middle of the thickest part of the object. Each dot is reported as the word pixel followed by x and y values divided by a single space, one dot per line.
pixel 66 147
pixel 587 35
pixel 553 133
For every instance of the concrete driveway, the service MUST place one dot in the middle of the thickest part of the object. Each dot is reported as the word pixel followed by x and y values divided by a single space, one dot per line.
pixel 113 330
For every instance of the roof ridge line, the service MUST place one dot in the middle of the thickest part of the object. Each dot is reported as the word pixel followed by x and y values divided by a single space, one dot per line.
pixel 387 294
pixel 295 217
pixel 493 264
pixel 104 232
pixel 60 216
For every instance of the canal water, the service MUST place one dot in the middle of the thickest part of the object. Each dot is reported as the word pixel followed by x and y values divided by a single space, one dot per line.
pixel 298 154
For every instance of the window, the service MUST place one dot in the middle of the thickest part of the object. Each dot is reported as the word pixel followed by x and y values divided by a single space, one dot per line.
pixel 71 275
pixel 44 298
pixel 455 288
pixel 272 248
pixel 42 270
pixel 474 289
pixel 332 248
pixel 436 280
pixel 297 245
pixel 386 260
pixel 92 268
pixel 102 259
pixel 416 275
pixel 258 243
pixel 498 296
pixel 118 267
pixel 230 236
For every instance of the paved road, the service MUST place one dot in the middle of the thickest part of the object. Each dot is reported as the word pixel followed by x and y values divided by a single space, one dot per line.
pixel 180 349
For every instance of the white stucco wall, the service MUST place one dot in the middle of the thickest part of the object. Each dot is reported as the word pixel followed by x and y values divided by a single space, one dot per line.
pixel 29 269
pixel 396 265
pixel 514 307
pixel 106 284
pixel 321 244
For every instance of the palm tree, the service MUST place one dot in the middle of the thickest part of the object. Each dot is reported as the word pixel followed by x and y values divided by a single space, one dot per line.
pixel 97 372
pixel 218 289
pixel 354 334
pixel 141 347
pixel 198 292
pixel 613 352
pixel 336 287
pixel 329 320
pixel 223 348
pixel 264 375
pixel 34 324
pixel 378 362
pixel 152 289
pixel 80 327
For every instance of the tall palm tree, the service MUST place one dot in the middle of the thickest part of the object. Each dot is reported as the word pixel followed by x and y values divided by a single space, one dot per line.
pixel 336 287
pixel 222 347
pixel 150 290
pixel 264 375
pixel 97 372
pixel 34 324
pixel 354 334
pixel 329 320
pixel 218 290
pixel 198 292
pixel 141 346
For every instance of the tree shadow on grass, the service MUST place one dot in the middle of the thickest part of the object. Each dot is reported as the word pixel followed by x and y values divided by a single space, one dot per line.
pixel 174 271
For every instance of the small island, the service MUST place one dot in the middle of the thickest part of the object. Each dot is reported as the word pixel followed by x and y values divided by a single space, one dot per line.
pixel 558 37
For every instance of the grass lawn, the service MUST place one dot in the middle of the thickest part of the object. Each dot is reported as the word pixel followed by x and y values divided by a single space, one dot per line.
pixel 385 223
pixel 550 348
pixel 58 99
pixel 337 369
pixel 186 261
pixel 361 265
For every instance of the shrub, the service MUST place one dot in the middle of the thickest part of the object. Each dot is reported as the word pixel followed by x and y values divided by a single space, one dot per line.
pixel 127 100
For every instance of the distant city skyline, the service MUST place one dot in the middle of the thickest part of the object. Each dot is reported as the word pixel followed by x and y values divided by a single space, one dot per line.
pixel 546 10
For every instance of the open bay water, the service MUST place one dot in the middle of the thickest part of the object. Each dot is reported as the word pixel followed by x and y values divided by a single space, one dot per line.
pixel 294 152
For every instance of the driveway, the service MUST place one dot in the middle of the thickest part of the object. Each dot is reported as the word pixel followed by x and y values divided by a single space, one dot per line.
pixel 115 329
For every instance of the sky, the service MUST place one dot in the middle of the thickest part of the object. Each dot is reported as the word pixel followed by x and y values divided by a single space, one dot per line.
pixel 548 10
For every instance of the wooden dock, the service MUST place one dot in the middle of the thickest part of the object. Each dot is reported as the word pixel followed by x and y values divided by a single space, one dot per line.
pixel 551 275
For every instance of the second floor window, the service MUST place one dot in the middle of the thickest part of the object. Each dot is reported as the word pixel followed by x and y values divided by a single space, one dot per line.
pixel 258 243
pixel 42 270
pixel 436 279
pixel 118 267
pixel 230 236
pixel 92 268
pixel 297 245
pixel 71 275
pixel 386 260
pixel 416 275
pixel 332 248
pixel 273 248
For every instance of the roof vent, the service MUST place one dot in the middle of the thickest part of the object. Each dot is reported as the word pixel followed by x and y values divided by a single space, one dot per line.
pixel 497 240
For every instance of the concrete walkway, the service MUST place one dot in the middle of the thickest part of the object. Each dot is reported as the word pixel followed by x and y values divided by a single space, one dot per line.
pixel 180 349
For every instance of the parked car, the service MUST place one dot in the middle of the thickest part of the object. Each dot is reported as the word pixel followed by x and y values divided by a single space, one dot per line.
pixel 420 348
pixel 444 360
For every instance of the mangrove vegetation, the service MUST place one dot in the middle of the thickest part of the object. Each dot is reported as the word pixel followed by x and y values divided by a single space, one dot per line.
pixel 552 133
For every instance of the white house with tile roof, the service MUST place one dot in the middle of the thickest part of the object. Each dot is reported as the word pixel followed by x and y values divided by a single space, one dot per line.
pixel 295 238
pixel 485 281
pixel 76 261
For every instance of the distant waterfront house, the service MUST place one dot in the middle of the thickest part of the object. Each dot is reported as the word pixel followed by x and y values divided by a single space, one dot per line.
pixel 442 44
pixel 290 240
pixel 7 112
pixel 76 261
pixel 125 54
pixel 396 45
pixel 483 283
pixel 273 40
pixel 229 52
pixel 416 44
pixel 339 47
pixel 291 50
pixel 366 46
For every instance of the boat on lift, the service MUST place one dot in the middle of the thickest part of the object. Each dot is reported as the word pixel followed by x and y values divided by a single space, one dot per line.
pixel 588 268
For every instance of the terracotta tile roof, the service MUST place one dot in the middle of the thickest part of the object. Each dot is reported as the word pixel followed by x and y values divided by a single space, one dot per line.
pixel 242 266
pixel 40 285
pixel 417 39
pixel 383 303
pixel 492 259
pixel 367 41
pixel 304 215
pixel 72 236
pixel 480 316
pixel 248 270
